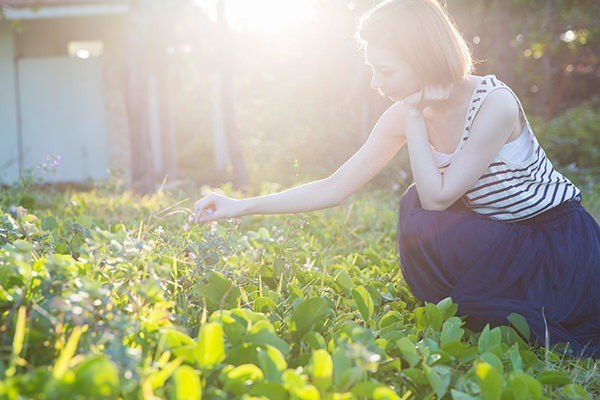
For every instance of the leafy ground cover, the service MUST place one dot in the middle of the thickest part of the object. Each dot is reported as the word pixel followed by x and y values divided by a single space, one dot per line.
pixel 107 295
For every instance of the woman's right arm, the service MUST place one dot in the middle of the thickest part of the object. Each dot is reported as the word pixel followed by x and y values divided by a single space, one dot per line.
pixel 386 138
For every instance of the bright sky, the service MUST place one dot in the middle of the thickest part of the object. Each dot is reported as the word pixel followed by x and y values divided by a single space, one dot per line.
pixel 270 16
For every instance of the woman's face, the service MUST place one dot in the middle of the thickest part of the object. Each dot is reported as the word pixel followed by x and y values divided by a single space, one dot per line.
pixel 392 77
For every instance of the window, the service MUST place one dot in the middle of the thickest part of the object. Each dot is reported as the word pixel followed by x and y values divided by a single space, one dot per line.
pixel 86 49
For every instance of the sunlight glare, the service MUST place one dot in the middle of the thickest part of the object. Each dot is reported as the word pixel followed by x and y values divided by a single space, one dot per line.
pixel 269 16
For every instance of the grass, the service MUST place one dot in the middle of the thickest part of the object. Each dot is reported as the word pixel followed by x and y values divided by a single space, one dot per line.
pixel 105 294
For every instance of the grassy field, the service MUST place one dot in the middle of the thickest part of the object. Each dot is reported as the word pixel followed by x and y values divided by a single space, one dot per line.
pixel 107 295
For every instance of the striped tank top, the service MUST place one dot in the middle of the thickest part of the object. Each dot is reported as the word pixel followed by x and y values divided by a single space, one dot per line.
pixel 513 191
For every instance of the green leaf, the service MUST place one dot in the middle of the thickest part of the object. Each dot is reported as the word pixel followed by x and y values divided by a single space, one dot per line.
pixel 309 313
pixel 447 308
pixel 434 316
pixel 270 390
pixel 321 369
pixel 210 349
pixel 238 379
pixel 439 378
pixel 341 362
pixel 489 338
pixel 520 324
pixel 515 358
pixel 272 363
pixel 457 395
pixel 555 378
pixel 364 302
pixel 385 393
pixel 314 340
pixel 408 350
pixel 97 376
pixel 490 381
pixel 49 223
pixel 416 375
pixel 187 385
pixel 263 333
pixel 219 292
pixel 264 305
pixel 451 330
pixel 493 360
pixel 575 392
pixel 343 279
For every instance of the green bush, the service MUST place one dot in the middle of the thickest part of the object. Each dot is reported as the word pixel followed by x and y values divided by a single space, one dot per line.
pixel 574 136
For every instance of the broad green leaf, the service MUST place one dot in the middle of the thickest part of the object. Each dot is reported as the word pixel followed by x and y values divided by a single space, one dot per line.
pixel 270 390
pixel 439 378
pixel 366 389
pixel 451 330
pixel 263 333
pixel 488 338
pixel 524 386
pixel 447 308
pixel 518 383
pixel 515 358
pixel 97 376
pixel 314 340
pixel 219 292
pixel 416 375
pixel 49 223
pixel 490 381
pixel 272 363
pixel 434 316
pixel 309 313
pixel 408 350
pixel 458 395
pixel 187 385
pixel 364 302
pixel 385 393
pixel 264 305
pixel 390 318
pixel 575 392
pixel 557 378
pixel 237 379
pixel 342 361
pixel 493 360
pixel 343 279
pixel 321 369
pixel 210 349
pixel 520 324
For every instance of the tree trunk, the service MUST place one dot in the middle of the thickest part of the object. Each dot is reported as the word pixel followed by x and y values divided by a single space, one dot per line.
pixel 240 172
pixel 142 171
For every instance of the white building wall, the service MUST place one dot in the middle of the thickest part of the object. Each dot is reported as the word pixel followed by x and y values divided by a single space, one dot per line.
pixel 9 156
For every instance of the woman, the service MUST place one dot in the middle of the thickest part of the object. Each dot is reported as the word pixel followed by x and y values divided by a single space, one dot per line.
pixel 489 221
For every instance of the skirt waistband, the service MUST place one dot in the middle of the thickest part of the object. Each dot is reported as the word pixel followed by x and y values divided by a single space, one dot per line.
pixel 554 212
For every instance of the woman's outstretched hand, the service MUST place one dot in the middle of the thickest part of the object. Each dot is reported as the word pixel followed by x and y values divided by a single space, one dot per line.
pixel 215 206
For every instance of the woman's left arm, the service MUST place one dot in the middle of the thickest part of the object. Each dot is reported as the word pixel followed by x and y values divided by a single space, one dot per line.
pixel 496 120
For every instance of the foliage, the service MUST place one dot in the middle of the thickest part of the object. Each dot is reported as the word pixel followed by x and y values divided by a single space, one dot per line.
pixel 574 136
pixel 107 295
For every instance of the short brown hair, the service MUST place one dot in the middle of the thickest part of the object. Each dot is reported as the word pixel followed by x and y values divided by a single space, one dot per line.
pixel 424 36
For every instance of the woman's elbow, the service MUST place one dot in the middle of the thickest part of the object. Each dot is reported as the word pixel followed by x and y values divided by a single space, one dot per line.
pixel 435 205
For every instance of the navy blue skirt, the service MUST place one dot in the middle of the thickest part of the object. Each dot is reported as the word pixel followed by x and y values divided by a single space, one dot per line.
pixel 547 268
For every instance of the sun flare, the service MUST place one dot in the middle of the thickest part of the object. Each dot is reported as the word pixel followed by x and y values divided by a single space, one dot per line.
pixel 269 16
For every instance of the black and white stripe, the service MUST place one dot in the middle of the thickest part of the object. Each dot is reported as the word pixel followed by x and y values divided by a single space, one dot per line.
pixel 514 192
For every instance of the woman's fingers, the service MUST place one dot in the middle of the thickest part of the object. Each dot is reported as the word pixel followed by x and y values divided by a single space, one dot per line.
pixel 437 92
pixel 206 208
